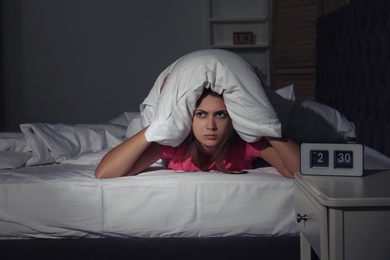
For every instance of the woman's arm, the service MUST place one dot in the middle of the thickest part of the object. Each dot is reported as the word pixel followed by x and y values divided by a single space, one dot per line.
pixel 281 153
pixel 129 158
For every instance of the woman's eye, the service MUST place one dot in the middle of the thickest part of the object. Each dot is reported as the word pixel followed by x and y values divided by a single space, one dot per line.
pixel 221 114
pixel 200 114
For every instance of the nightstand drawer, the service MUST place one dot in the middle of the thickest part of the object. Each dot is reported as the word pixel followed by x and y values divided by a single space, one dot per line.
pixel 309 214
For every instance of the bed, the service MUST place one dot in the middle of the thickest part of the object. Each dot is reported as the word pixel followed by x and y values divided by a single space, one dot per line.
pixel 52 206
pixel 55 207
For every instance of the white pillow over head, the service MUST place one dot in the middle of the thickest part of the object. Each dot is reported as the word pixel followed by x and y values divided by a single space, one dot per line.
pixel 169 112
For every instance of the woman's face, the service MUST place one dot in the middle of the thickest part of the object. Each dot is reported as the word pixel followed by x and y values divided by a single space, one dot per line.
pixel 209 122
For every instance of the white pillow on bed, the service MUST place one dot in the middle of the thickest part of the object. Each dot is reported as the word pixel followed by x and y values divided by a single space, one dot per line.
pixel 282 101
pixel 310 121
pixel 51 143
pixel 169 113
pixel 13 159
pixel 134 126
pixel 115 129
pixel 340 123
pixel 287 92
pixel 123 119
pixel 15 142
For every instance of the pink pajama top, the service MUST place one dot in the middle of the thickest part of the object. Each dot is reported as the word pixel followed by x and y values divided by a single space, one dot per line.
pixel 237 159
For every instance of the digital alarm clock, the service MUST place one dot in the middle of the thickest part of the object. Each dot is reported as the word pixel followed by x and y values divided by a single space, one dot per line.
pixel 336 159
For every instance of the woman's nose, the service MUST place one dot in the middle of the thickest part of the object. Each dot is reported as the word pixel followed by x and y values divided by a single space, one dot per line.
pixel 211 124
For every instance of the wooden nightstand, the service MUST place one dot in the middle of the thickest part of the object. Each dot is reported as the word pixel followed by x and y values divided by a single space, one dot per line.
pixel 344 217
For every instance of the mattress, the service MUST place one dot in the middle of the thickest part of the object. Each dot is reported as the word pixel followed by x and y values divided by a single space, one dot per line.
pixel 48 190
pixel 57 201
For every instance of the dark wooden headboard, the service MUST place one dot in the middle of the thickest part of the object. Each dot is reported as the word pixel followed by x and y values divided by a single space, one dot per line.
pixel 353 68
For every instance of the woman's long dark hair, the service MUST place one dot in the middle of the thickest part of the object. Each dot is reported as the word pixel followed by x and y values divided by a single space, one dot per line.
pixel 194 147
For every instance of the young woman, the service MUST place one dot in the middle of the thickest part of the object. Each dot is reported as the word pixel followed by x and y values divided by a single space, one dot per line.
pixel 213 144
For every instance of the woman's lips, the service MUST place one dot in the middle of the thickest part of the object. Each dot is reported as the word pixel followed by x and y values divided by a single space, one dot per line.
pixel 211 137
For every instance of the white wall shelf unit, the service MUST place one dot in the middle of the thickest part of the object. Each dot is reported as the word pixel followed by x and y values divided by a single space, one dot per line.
pixel 227 17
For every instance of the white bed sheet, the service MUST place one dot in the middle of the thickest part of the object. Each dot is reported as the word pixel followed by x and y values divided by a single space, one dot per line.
pixel 67 201
pixel 64 199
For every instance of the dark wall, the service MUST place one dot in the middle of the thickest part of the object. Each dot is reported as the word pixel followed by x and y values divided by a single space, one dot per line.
pixel 86 61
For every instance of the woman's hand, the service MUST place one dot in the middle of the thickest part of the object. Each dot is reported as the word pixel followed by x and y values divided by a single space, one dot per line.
pixel 283 154
pixel 129 158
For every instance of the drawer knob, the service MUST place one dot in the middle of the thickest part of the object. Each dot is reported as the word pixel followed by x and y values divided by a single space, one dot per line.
pixel 301 218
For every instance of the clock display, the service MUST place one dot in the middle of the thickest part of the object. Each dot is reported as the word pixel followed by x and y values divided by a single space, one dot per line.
pixel 319 158
pixel 343 159
pixel 337 159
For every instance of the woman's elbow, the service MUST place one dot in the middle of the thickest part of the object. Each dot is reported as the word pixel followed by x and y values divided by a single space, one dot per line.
pixel 102 172
pixel 99 174
pixel 295 168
